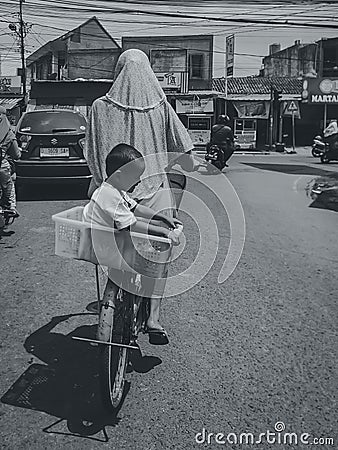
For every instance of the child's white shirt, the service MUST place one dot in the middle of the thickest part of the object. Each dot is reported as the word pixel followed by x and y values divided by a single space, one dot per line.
pixel 110 207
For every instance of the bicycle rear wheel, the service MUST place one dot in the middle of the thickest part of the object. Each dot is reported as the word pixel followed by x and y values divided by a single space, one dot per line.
pixel 114 326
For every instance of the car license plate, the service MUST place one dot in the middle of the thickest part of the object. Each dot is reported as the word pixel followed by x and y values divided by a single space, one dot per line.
pixel 54 151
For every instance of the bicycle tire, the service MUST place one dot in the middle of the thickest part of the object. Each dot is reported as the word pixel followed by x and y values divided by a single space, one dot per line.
pixel 114 325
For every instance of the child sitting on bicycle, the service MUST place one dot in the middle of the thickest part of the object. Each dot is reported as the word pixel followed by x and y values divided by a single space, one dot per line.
pixel 111 206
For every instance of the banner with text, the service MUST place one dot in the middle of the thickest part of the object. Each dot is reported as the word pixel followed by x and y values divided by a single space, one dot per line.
pixel 194 105
pixel 320 90
pixel 252 110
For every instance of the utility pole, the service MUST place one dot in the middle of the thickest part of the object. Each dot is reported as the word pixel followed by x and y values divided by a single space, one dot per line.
pixel 271 118
pixel 21 32
pixel 22 49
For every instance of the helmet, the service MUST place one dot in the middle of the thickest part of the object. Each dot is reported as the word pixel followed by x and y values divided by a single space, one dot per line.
pixel 223 119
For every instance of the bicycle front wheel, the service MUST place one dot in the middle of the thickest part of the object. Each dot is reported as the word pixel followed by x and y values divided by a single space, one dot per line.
pixel 114 327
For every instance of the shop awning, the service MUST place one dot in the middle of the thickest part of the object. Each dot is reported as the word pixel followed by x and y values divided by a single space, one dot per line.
pixel 10 102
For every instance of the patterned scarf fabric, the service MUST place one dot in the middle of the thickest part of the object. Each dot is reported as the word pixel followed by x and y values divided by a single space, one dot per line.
pixel 4 124
pixel 6 135
pixel 135 111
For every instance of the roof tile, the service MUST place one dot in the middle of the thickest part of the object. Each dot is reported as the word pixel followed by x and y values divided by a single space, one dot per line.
pixel 257 85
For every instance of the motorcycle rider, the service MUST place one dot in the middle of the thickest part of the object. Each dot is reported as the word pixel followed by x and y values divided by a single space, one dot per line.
pixel 8 149
pixel 222 136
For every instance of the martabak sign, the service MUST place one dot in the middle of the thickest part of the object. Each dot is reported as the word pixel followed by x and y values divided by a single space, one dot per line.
pixel 320 90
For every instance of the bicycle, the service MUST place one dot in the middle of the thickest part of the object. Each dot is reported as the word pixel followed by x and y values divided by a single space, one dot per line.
pixel 123 317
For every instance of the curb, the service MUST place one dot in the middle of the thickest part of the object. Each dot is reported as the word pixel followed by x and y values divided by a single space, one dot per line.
pixel 237 152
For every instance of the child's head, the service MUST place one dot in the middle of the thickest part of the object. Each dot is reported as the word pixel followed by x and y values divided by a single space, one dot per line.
pixel 124 167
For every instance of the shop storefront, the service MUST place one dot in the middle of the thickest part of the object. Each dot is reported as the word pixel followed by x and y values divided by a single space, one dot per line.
pixel 196 112
pixel 250 122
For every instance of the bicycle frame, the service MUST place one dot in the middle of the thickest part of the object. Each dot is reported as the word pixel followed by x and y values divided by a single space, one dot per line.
pixel 121 318
pixel 136 319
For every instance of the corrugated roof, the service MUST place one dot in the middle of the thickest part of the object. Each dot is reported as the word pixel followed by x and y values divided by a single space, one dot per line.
pixel 9 103
pixel 258 85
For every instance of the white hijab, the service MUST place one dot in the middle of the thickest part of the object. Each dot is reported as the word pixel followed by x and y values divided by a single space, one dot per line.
pixel 4 124
pixel 135 111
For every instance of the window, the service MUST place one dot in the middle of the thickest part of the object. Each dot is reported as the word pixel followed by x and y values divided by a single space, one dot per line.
pixel 76 37
pixel 196 65
pixel 44 122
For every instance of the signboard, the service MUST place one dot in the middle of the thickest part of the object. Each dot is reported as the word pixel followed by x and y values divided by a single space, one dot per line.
pixel 253 110
pixel 230 54
pixel 170 67
pixel 320 90
pixel 291 107
pixel 170 80
pixel 194 105
pixel 245 130
pixel 168 60
pixel 10 85
pixel 199 129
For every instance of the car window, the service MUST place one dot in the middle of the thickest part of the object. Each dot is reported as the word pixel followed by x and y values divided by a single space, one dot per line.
pixel 49 122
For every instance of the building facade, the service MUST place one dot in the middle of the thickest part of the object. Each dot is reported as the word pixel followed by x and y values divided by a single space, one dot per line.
pixel 316 64
pixel 88 52
pixel 301 60
pixel 259 116
pixel 188 58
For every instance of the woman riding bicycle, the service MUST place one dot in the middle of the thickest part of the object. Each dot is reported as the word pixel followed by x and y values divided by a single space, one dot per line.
pixel 135 112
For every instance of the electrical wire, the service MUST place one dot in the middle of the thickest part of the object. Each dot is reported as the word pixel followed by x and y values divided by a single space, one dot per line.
pixel 205 19
pixel 212 18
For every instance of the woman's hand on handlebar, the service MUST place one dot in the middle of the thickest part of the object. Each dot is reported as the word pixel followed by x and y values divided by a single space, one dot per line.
pixel 175 239
pixel 172 223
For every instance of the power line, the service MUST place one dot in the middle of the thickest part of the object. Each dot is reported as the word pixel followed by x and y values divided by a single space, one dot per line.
pixel 212 18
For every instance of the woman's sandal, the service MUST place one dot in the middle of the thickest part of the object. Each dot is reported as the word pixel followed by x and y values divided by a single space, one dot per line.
pixel 157 336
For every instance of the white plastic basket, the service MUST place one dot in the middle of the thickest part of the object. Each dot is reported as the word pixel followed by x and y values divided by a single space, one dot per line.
pixel 133 252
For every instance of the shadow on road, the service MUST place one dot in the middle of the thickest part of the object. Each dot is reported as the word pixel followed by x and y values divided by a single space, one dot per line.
pixel 293 169
pixel 67 385
pixel 53 192
pixel 324 202
pixel 323 192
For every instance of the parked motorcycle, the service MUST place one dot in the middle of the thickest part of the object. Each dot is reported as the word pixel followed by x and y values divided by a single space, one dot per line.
pixel 318 146
pixel 331 150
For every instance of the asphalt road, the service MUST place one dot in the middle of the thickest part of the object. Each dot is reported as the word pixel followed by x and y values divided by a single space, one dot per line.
pixel 243 355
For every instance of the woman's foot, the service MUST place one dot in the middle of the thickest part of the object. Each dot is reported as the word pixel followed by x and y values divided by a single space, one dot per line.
pixel 157 334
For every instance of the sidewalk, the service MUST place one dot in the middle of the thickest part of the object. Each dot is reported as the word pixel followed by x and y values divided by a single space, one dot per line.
pixel 302 151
